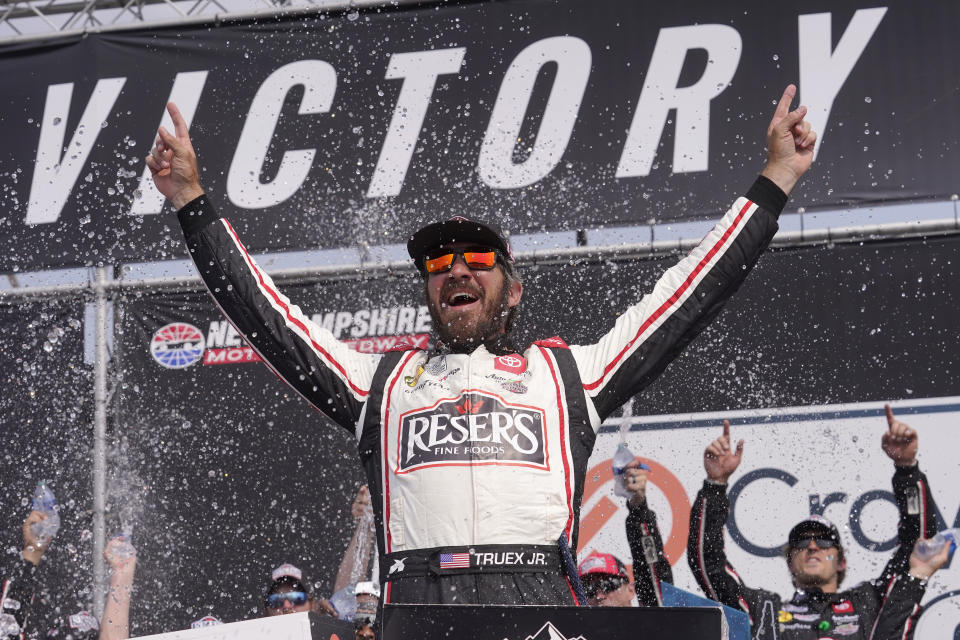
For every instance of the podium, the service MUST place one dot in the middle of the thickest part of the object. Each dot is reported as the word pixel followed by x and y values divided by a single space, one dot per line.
pixel 461 622
pixel 473 622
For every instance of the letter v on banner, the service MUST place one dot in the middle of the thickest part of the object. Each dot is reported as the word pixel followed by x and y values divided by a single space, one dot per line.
pixel 822 70
pixel 186 91
pixel 55 172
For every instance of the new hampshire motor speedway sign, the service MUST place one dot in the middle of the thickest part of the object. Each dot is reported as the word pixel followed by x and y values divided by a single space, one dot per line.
pixel 342 129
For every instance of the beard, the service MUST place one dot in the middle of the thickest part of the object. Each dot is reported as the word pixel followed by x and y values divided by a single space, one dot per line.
pixel 463 334
pixel 804 581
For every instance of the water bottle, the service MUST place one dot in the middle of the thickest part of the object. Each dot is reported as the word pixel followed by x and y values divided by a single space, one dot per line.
pixel 926 549
pixel 46 503
pixel 345 603
pixel 621 459
pixel 123 548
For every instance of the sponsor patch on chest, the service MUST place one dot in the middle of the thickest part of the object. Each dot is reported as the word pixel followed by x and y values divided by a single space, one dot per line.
pixel 847 629
pixel 476 428
pixel 513 363
pixel 844 606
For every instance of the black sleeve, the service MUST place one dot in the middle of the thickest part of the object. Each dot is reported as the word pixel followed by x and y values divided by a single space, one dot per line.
pixel 705 552
pixel 330 375
pixel 899 608
pixel 650 566
pixel 19 595
pixel 917 508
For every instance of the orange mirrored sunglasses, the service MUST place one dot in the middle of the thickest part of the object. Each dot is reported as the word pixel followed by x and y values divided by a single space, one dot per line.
pixel 476 258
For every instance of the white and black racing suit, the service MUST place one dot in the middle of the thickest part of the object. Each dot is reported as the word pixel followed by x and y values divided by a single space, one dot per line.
pixel 476 461
pixel 885 608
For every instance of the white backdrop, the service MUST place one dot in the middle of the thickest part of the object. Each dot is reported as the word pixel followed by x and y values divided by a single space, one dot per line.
pixel 796 457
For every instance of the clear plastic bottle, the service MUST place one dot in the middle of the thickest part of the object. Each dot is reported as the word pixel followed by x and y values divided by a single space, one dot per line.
pixel 926 549
pixel 46 503
pixel 621 459
pixel 123 548
pixel 345 602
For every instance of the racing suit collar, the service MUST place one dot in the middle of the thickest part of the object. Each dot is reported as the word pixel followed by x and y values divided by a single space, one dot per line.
pixel 813 595
pixel 500 346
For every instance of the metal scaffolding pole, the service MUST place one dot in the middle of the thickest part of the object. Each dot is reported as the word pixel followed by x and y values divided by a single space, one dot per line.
pixel 642 251
pixel 100 365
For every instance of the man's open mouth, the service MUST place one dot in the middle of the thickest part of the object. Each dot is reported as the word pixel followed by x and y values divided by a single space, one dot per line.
pixel 461 298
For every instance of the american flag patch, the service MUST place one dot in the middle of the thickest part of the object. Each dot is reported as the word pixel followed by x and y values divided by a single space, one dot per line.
pixel 454 560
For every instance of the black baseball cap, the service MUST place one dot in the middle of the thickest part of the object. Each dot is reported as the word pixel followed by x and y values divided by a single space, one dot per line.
pixel 817 526
pixel 458 229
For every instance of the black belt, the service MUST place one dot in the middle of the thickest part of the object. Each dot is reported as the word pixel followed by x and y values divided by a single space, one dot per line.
pixel 492 558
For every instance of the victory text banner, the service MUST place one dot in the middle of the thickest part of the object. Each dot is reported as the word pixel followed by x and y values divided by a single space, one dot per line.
pixel 345 129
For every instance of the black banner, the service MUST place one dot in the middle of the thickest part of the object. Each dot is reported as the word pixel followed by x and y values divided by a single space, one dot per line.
pixel 332 130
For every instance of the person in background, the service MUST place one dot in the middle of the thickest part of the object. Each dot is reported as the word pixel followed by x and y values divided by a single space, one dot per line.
pixel 289 593
pixel 606 579
pixel 650 565
pixel 356 559
pixel 363 631
pixel 365 617
pixel 368 599
pixel 28 611
pixel 121 557
pixel 884 608
pixel 355 564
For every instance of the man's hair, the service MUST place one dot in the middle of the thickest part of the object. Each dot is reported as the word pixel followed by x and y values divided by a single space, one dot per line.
pixel 841 558
pixel 510 277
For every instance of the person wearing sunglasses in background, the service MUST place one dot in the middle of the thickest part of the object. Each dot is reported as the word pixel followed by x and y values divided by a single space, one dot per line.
pixel 883 608
pixel 605 578
pixel 606 581
pixel 288 593
pixel 476 451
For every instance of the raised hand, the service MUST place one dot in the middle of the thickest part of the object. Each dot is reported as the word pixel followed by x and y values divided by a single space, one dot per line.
pixel 922 567
pixel 635 481
pixel 120 554
pixel 719 460
pixel 361 504
pixel 790 143
pixel 899 441
pixel 173 162
pixel 33 546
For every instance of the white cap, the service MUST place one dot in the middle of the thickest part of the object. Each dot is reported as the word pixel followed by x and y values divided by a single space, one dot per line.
pixel 286 570
pixel 367 588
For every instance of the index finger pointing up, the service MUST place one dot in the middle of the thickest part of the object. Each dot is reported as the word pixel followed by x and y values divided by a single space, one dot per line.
pixel 726 429
pixel 783 108
pixel 890 418
pixel 179 124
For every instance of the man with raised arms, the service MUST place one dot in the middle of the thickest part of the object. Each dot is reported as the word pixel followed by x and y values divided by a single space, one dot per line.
pixel 482 506
pixel 883 608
